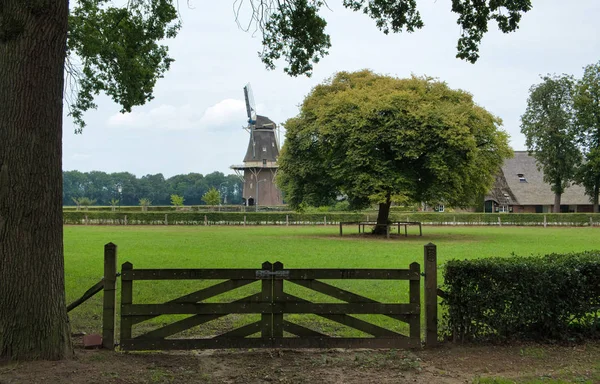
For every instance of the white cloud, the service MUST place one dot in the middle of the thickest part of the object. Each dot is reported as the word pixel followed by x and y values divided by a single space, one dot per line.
pixel 226 113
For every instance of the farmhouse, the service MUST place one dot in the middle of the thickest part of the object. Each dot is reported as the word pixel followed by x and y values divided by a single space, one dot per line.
pixel 520 188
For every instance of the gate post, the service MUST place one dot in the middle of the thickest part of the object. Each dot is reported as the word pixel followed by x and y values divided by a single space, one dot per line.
pixel 431 303
pixel 109 305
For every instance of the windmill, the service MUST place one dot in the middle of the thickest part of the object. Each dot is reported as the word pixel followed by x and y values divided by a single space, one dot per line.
pixel 260 163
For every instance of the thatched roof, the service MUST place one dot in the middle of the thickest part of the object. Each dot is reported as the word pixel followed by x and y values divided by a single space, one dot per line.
pixel 523 183
pixel 262 144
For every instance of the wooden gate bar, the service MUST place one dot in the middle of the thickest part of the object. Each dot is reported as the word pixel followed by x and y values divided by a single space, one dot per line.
pixel 301 331
pixel 193 321
pixel 414 294
pixel 267 297
pixel 292 342
pixel 352 322
pixel 344 295
pixel 246 330
pixel 126 299
pixel 190 274
pixel 202 294
pixel 354 274
pixel 278 298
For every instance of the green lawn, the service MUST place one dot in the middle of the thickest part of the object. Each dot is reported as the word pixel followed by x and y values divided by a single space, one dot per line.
pixel 296 247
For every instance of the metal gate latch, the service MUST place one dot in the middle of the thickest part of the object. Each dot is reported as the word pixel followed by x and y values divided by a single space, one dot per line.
pixel 264 274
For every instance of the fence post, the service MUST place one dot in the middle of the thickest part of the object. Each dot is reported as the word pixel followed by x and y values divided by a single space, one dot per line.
pixel 126 299
pixel 109 305
pixel 125 219
pixel 545 222
pixel 86 220
pixel 415 298
pixel 499 221
pixel 244 220
pixel 340 228
pixel 431 303
pixel 287 220
pixel 205 220
pixel 166 220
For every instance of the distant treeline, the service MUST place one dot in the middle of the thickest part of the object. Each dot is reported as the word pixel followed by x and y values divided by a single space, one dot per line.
pixel 103 187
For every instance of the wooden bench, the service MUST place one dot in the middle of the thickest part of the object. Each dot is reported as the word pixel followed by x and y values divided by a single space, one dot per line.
pixel 362 224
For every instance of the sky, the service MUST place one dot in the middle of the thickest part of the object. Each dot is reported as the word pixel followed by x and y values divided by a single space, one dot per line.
pixel 195 121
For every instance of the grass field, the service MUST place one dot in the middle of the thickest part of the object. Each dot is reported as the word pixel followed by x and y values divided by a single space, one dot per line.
pixel 296 247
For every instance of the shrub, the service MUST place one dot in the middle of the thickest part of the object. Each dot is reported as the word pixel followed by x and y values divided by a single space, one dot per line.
pixel 556 296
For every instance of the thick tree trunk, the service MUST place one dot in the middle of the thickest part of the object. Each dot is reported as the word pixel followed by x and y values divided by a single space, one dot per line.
pixel 33 317
pixel 556 208
pixel 383 216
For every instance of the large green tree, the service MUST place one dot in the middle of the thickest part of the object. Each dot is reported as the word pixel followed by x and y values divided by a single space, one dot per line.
pixel 549 131
pixel 587 120
pixel 116 50
pixel 376 139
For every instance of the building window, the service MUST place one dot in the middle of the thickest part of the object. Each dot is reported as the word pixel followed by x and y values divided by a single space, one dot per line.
pixel 251 185
pixel 439 208
pixel 522 178
pixel 265 149
pixel 265 162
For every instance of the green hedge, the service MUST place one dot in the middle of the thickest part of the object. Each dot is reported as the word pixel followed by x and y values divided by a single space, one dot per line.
pixel 555 296
pixel 196 217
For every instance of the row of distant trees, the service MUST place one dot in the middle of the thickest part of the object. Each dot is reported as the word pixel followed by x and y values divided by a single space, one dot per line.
pixel 102 188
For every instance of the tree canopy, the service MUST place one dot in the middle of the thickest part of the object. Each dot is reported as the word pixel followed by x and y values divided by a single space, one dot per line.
pixel 377 139
pixel 550 133
pixel 587 120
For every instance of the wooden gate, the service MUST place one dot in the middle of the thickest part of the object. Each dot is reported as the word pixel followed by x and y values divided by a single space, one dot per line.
pixel 272 302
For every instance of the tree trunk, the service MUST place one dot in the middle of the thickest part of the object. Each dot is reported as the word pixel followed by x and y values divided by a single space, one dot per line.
pixel 383 217
pixel 33 316
pixel 556 208
pixel 596 191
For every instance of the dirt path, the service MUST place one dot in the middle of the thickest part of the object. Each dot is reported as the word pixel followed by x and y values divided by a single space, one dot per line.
pixel 448 364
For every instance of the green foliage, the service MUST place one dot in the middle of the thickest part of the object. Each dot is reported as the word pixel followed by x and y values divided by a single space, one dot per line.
pixel 114 202
pixel 83 201
pixel 587 119
pixel 556 296
pixel 212 197
pixel 295 29
pixel 377 139
pixel 549 130
pixel 177 200
pixel 144 203
pixel 118 50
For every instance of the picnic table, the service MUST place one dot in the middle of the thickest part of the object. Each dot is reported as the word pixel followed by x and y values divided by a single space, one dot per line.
pixel 362 224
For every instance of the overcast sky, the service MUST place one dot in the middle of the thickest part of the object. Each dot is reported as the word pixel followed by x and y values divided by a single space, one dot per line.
pixel 194 123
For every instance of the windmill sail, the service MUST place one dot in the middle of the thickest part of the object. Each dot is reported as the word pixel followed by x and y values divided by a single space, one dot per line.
pixel 250 106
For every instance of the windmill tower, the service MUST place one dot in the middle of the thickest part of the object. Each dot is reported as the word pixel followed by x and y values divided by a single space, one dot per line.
pixel 260 163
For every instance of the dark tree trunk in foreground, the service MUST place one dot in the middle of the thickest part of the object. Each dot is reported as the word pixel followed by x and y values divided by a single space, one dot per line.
pixel 383 216
pixel 33 318
pixel 556 208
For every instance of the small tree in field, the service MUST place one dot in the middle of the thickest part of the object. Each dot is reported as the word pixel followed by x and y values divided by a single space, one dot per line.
pixel 113 204
pixel 212 197
pixel 177 200
pixel 145 203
